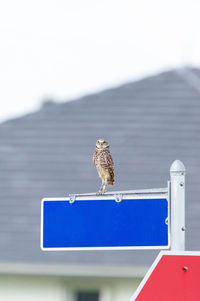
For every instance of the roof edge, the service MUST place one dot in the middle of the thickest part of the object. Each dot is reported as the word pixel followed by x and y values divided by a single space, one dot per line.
pixel 187 74
pixel 63 270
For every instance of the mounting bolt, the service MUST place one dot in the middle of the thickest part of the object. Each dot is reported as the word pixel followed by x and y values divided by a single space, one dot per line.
pixel 118 198
pixel 183 229
pixel 181 184
pixel 72 198
pixel 185 268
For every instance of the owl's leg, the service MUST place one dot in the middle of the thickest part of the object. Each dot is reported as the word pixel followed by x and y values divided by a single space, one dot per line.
pixel 104 188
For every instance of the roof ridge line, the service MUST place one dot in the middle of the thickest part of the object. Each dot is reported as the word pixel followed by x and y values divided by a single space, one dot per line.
pixel 192 79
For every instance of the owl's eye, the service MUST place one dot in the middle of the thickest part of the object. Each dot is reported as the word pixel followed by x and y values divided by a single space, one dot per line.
pixel 104 142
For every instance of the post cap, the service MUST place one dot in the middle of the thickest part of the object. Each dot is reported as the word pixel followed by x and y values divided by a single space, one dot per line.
pixel 177 167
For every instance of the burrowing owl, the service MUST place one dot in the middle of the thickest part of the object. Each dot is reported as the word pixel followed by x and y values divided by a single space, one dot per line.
pixel 104 164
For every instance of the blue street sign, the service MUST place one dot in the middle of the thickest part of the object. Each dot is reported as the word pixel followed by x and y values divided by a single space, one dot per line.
pixel 97 222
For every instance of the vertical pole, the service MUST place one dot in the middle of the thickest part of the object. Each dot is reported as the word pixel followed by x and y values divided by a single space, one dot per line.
pixel 177 175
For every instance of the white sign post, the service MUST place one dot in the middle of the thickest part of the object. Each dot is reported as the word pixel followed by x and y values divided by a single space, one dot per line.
pixel 177 192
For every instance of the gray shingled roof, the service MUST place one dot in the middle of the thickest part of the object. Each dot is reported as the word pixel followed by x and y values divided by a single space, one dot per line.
pixel 149 124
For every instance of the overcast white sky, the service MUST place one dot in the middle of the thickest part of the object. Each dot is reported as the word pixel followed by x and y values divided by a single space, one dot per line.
pixel 61 49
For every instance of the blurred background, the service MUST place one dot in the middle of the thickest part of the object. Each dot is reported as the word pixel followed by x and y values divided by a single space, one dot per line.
pixel 72 72
pixel 59 50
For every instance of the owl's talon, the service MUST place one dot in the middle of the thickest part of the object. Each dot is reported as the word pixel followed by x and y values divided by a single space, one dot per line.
pixel 99 192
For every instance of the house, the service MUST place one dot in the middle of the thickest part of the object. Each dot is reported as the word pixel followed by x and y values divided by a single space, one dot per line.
pixel 149 123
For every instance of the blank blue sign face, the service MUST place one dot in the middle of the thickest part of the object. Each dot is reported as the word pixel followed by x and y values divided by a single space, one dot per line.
pixel 104 223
